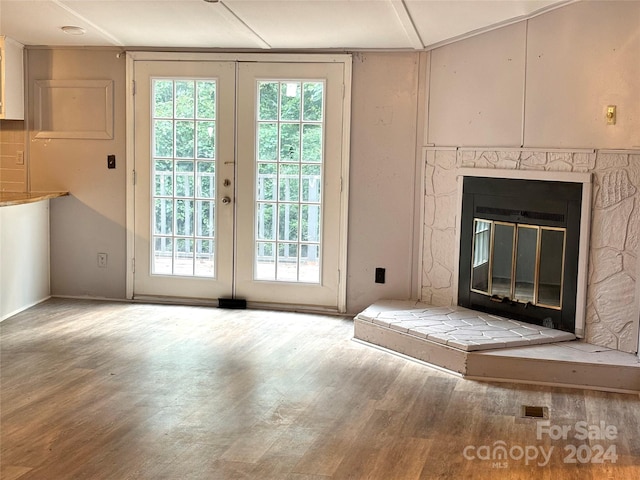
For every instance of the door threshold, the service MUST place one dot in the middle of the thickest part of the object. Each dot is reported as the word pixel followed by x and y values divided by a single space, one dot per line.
pixel 198 302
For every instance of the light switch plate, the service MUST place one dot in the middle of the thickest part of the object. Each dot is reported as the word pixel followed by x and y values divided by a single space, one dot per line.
pixel 611 115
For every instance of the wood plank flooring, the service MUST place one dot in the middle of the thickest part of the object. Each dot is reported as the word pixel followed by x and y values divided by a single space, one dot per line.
pixel 105 390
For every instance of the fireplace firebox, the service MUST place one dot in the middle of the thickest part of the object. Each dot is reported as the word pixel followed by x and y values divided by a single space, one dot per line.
pixel 519 243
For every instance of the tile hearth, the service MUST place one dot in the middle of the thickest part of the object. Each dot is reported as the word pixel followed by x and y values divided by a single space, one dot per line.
pixel 481 346
pixel 459 327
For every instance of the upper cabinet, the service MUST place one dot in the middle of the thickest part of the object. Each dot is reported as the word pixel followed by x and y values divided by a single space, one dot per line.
pixel 11 79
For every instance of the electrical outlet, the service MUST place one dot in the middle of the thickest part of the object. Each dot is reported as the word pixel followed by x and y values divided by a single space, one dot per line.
pixel 102 260
pixel 20 158
pixel 380 273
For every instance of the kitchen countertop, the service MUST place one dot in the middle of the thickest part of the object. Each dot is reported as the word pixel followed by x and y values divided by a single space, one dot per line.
pixel 15 198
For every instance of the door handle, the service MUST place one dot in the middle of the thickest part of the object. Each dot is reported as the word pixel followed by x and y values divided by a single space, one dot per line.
pixel 226 200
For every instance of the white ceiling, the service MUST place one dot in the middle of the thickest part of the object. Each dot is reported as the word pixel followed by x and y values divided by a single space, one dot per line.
pixel 260 24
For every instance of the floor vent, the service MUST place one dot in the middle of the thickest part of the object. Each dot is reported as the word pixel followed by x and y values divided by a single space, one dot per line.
pixel 530 411
pixel 233 303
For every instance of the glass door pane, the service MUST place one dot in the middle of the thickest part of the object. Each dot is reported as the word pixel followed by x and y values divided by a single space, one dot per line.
pixel 526 263
pixel 291 233
pixel 480 262
pixel 185 179
pixel 288 180
pixel 551 267
pixel 184 174
pixel 502 265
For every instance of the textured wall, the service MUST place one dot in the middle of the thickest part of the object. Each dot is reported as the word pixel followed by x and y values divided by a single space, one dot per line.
pixel 612 303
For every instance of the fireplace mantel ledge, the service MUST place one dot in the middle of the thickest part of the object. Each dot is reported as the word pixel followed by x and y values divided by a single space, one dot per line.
pixel 550 176
pixel 432 148
pixel 607 151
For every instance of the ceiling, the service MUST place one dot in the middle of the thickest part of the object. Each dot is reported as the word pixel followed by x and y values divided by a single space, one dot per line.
pixel 260 24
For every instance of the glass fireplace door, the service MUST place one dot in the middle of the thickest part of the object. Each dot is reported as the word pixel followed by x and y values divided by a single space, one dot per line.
pixel 518 263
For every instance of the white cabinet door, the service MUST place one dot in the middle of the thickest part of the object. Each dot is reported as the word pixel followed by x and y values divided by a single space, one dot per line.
pixel 11 79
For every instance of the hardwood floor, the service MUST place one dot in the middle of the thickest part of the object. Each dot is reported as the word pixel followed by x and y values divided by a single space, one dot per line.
pixel 102 390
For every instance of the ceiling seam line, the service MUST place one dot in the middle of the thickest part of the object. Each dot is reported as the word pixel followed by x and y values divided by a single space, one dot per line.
pixel 261 41
pixel 408 25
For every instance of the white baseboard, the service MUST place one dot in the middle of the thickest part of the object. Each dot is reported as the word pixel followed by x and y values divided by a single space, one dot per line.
pixel 23 308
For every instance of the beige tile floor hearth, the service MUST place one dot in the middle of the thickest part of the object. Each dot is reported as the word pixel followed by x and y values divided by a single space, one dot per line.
pixel 459 327
pixel 482 346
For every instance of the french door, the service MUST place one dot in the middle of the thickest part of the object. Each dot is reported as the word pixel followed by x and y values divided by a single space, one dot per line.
pixel 238 193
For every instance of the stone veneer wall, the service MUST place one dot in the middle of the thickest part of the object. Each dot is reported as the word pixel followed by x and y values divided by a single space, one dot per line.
pixel 612 314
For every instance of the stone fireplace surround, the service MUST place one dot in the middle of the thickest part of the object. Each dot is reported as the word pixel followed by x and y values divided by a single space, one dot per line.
pixel 611 297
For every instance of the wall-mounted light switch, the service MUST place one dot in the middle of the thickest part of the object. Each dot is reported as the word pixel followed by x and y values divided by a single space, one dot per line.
pixel 111 161
pixel 380 274
pixel 20 158
pixel 611 115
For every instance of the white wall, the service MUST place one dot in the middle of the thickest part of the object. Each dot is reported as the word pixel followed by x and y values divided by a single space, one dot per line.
pixel 566 66
pixel 580 59
pixel 383 176
pixel 92 218
pixel 24 256
pixel 476 90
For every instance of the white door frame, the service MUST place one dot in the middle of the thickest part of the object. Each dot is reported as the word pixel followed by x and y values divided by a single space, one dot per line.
pixel 345 59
